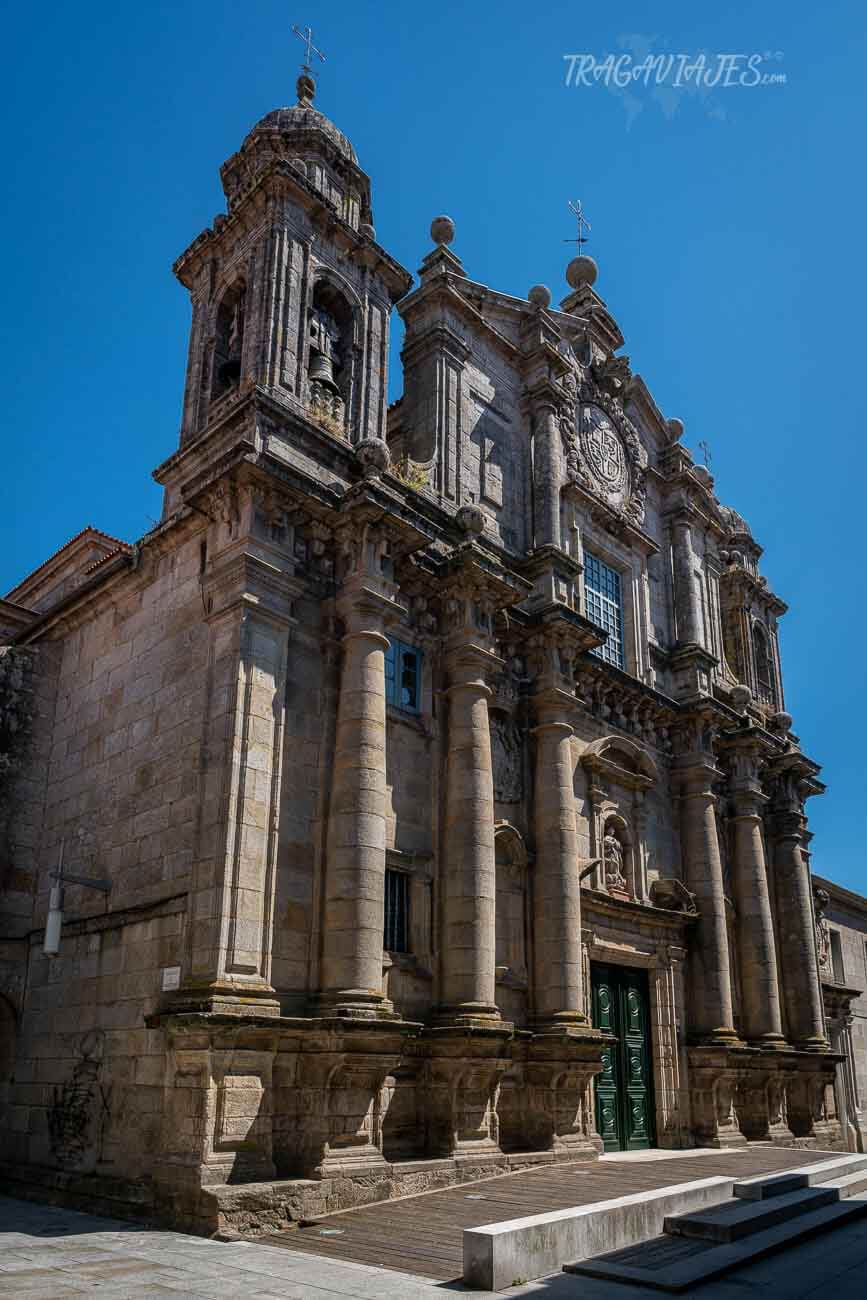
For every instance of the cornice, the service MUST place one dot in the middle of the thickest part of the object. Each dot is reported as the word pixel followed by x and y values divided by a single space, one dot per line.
pixel 842 895
pixel 446 287
pixel 279 179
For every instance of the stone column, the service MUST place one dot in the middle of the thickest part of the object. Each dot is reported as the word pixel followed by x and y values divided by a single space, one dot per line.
pixel 355 873
pixel 468 844
pixel 690 630
pixel 559 992
pixel 546 475
pixel 710 978
pixel 760 1003
pixel 797 936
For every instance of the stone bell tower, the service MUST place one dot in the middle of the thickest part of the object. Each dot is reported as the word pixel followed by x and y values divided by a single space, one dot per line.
pixel 290 292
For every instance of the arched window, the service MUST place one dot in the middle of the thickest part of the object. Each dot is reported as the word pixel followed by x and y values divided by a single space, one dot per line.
pixel 229 340
pixel 766 688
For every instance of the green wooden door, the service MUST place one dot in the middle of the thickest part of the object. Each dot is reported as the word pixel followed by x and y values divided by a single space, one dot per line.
pixel 624 1089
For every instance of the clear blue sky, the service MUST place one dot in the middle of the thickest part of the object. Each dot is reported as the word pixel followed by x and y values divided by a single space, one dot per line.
pixel 727 226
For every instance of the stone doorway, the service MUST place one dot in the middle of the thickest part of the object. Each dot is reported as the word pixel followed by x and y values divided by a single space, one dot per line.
pixel 624 1089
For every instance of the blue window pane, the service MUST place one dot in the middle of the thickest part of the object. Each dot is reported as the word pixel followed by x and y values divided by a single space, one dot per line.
pixel 408 698
pixel 604 601
pixel 390 656
pixel 403 677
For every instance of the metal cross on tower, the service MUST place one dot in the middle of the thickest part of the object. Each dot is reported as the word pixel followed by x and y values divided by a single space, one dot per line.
pixel 307 37
pixel 583 224
pixel 704 448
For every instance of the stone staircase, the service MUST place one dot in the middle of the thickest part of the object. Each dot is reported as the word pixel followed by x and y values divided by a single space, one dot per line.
pixel 766 1215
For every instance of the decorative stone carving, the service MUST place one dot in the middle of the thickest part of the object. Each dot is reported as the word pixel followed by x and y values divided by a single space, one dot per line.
pixel 673 895
pixel 506 757
pixel 612 851
pixel 605 454
pixel 823 937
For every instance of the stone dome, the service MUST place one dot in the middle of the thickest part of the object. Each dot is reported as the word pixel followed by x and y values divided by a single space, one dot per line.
pixel 301 117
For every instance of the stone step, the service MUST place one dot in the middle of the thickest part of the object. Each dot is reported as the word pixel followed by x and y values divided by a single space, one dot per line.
pixel 849 1184
pixel 761 1187
pixel 677 1264
pixel 735 1219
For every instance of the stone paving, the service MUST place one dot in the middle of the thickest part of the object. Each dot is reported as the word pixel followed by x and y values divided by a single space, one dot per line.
pixel 47 1253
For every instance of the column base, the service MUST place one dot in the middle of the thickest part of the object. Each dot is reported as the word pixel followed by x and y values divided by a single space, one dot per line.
pixel 721 1037
pixel 223 998
pixel 769 1043
pixel 562 1021
pixel 466 1015
pixel 355 1004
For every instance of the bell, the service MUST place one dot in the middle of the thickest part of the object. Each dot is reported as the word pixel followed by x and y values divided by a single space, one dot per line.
pixel 321 370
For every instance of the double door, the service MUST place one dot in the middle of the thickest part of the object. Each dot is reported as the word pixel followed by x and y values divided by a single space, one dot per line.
pixel 624 1089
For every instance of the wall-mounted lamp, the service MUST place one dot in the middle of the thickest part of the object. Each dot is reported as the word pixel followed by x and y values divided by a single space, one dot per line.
pixel 54 920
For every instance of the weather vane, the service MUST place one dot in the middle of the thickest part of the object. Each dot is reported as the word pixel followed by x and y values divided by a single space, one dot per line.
pixel 583 224
pixel 704 448
pixel 307 37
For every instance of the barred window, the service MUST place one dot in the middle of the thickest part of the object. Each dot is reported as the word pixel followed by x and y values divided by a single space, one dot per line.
pixel 396 937
pixel 403 676
pixel 604 602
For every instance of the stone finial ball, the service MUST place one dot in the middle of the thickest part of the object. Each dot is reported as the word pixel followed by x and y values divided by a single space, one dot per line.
pixel 580 271
pixel 442 230
pixel 367 231
pixel 540 295
pixel 471 520
pixel 675 429
pixel 782 722
pixel 741 696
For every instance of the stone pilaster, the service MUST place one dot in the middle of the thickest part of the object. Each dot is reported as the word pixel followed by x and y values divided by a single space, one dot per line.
pixel 547 473
pixel 690 629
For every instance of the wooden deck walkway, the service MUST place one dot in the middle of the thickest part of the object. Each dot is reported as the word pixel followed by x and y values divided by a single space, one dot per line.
pixel 422 1234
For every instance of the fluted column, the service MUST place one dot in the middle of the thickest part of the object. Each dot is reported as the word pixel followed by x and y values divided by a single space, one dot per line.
pixel 557 890
pixel 760 1003
pixel 546 475
pixel 797 935
pixel 686 594
pixel 710 976
pixel 469 934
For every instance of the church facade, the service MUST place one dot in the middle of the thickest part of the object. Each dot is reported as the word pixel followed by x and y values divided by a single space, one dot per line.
pixel 433 757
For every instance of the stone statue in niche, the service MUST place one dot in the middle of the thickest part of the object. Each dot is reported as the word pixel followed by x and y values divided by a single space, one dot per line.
pixel 506 760
pixel 612 852
pixel 823 942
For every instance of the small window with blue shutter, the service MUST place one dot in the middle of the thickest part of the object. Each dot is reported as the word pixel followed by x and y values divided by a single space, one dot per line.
pixel 403 676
